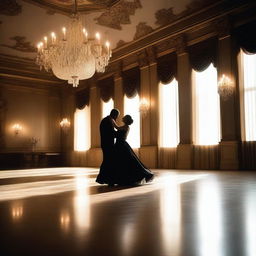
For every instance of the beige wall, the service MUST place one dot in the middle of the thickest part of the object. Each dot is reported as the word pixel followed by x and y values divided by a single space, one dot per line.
pixel 38 112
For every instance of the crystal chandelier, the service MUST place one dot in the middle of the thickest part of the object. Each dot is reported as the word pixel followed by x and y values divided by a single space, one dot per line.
pixel 225 87
pixel 74 56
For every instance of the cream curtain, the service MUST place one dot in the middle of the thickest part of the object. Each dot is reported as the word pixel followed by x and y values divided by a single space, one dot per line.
pixel 247 86
pixel 82 133
pixel 167 158
pixel 206 119
pixel 131 107
pixel 107 107
pixel 206 157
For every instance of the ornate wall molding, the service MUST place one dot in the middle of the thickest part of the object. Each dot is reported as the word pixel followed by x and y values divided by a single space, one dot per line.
pixel 21 44
pixel 165 16
pixel 10 8
pixel 118 14
pixel 142 30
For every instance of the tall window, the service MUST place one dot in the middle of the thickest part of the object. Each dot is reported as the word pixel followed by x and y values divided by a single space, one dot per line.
pixel 248 86
pixel 169 114
pixel 131 107
pixel 107 107
pixel 82 135
pixel 206 107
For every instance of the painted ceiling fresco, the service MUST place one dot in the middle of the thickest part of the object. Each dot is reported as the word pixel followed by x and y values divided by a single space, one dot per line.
pixel 23 23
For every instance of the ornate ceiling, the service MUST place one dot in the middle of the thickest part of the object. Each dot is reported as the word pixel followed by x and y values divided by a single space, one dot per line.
pixel 66 6
pixel 23 23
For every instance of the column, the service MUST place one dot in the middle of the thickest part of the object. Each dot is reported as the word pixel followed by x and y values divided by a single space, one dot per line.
pixel 118 92
pixel 149 120
pixel 94 154
pixel 230 131
pixel 185 148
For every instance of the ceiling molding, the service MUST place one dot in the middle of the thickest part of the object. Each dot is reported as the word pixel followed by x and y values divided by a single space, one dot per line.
pixel 192 22
pixel 67 7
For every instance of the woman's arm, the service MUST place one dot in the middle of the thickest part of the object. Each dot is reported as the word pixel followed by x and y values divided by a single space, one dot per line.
pixel 115 125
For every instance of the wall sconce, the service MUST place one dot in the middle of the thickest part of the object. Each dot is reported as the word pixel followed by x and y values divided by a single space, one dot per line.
pixel 65 123
pixel 17 128
pixel 144 106
pixel 225 87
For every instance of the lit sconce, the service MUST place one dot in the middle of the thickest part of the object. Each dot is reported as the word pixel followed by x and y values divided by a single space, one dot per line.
pixel 225 87
pixel 65 220
pixel 144 106
pixel 65 123
pixel 17 128
pixel 17 212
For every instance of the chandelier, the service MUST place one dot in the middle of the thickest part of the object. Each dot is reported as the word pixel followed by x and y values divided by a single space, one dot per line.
pixel 74 56
pixel 225 87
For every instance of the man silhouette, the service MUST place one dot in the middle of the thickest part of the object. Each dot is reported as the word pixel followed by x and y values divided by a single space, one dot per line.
pixel 107 137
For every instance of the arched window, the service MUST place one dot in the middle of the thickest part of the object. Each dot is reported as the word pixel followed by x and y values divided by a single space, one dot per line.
pixel 169 114
pixel 131 107
pixel 82 136
pixel 247 76
pixel 206 107
pixel 107 107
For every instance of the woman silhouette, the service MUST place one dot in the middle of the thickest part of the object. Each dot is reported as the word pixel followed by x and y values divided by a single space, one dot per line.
pixel 128 168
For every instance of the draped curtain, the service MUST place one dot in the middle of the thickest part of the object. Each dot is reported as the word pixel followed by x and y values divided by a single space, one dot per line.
pixel 106 87
pixel 206 157
pixel 202 54
pixel 206 106
pixel 131 82
pixel 82 98
pixel 246 37
pixel 247 84
pixel 167 68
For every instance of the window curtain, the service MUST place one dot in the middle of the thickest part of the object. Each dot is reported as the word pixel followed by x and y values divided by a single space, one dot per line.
pixel 206 107
pixel 247 84
pixel 167 68
pixel 131 107
pixel 206 119
pixel 169 114
pixel 246 37
pixel 202 54
pixel 82 98
pixel 106 87
pixel 82 135
pixel 107 107
pixel 206 157
pixel 131 82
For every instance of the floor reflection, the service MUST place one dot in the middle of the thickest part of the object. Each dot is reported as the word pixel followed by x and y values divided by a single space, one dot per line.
pixel 170 207
pixel 65 220
pixel 209 212
pixel 82 202
pixel 250 221
pixel 16 210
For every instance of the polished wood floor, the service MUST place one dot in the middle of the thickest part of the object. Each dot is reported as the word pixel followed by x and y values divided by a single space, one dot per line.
pixel 62 211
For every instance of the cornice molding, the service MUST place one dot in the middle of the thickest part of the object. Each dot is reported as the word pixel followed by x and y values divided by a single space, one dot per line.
pixel 209 14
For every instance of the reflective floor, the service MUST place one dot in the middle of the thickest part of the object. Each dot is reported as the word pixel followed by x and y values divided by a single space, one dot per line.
pixel 62 211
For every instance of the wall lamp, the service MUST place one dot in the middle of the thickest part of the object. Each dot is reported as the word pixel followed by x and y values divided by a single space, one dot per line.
pixel 17 128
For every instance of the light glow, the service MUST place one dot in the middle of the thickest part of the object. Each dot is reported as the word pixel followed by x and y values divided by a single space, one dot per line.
pixel 82 132
pixel 169 114
pixel 206 107
pixel 107 107
pixel 249 95
pixel 210 219
pixel 131 107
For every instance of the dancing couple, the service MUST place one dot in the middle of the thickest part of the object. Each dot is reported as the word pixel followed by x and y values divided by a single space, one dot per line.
pixel 120 164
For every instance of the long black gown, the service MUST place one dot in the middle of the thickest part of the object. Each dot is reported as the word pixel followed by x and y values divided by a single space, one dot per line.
pixel 128 168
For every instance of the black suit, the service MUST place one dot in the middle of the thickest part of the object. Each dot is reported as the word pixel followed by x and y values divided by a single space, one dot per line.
pixel 107 137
